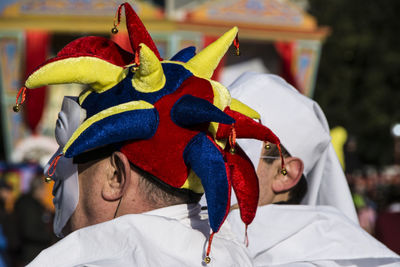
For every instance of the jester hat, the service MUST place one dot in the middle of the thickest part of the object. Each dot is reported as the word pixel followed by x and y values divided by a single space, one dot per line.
pixel 167 116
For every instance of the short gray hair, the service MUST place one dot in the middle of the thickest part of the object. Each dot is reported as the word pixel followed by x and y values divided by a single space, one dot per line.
pixel 160 194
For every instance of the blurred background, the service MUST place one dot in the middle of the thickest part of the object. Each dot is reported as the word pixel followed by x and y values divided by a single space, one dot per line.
pixel 343 54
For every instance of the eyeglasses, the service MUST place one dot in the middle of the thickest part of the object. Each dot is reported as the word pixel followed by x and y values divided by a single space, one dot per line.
pixel 270 157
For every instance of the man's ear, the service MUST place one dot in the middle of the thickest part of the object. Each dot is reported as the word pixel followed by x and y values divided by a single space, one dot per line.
pixel 118 178
pixel 283 183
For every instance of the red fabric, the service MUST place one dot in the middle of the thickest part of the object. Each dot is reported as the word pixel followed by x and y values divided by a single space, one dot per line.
pixel 245 183
pixel 122 39
pixel 37 46
pixel 286 52
pixel 229 173
pixel 137 32
pixel 161 155
pixel 97 47
pixel 92 46
pixel 246 128
pixel 218 70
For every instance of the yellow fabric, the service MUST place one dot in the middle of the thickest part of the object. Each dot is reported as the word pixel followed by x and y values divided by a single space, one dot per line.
pixel 150 76
pixel 238 106
pixel 83 96
pixel 222 99
pixel 193 183
pixel 99 74
pixel 133 105
pixel 339 138
pixel 205 62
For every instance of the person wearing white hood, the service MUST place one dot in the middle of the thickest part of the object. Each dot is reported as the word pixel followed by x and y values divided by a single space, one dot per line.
pixel 311 220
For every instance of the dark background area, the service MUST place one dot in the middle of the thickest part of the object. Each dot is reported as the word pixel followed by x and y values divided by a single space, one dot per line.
pixel 358 83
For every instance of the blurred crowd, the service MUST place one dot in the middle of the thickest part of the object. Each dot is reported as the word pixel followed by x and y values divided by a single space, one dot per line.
pixel 25 214
pixel 376 196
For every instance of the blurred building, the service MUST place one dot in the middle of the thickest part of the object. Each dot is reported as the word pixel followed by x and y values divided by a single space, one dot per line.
pixel 275 36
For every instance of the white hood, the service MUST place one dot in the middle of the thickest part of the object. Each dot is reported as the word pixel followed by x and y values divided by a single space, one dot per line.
pixel 303 130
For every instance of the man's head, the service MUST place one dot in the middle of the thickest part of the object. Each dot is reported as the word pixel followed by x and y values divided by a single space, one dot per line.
pixel 112 186
pixel 165 117
pixel 274 185
pixel 304 132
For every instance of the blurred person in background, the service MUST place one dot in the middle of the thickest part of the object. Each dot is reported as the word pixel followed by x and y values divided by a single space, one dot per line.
pixel 387 228
pixel 33 221
pixel 366 208
pixel 313 220
pixel 5 223
pixel 353 163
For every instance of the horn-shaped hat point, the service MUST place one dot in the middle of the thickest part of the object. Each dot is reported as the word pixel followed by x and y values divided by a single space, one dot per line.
pixel 207 60
pixel 150 75
pixel 96 72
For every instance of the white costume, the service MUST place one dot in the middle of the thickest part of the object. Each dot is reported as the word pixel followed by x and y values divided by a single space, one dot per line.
pixel 313 235
pixel 310 234
pixel 172 236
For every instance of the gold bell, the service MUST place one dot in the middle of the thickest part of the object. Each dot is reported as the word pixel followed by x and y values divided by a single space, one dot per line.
pixel 284 171
pixel 114 30
pixel 134 69
pixel 16 108
pixel 232 150
pixel 237 52
pixel 267 146
pixel 47 179
pixel 207 259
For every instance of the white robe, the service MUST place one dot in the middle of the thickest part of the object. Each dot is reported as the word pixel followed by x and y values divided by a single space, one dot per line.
pixel 298 235
pixel 172 236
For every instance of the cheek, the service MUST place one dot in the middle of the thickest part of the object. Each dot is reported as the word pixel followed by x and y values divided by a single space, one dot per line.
pixel 266 173
pixel 262 174
pixel 89 191
pixel 80 218
pixel 88 198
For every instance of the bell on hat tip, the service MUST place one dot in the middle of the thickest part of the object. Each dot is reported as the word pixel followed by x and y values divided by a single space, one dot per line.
pixel 237 52
pixel 134 69
pixel 47 179
pixel 207 259
pixel 284 171
pixel 232 150
pixel 267 146
pixel 114 30
pixel 16 108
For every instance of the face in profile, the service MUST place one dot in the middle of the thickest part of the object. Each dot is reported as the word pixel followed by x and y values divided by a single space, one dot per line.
pixel 267 171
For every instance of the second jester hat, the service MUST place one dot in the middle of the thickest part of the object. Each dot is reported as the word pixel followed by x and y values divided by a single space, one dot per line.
pixel 170 119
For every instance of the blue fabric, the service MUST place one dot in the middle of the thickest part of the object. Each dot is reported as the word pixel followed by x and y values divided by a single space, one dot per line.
pixel 135 124
pixel 207 162
pixel 190 110
pixel 185 54
pixel 124 92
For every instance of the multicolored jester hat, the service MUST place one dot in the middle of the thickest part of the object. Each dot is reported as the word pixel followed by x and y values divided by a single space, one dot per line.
pixel 168 117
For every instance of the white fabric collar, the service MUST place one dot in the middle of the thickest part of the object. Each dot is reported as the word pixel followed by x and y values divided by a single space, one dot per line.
pixel 303 233
pixel 177 212
pixel 172 236
pixel 301 126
